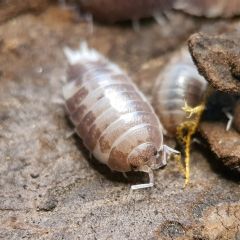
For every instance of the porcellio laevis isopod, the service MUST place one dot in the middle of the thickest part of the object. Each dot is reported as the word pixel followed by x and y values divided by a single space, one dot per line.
pixel 112 117
pixel 178 82
pixel 113 11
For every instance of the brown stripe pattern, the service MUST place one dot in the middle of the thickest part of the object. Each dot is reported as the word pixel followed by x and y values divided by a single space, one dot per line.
pixel 114 120
pixel 177 83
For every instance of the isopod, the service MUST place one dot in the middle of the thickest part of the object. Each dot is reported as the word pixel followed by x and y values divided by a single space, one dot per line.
pixel 113 11
pixel 209 8
pixel 178 82
pixel 112 117
pixel 179 90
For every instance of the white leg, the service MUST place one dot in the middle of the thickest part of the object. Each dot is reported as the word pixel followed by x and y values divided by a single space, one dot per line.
pixel 166 152
pixel 58 101
pixel 70 134
pixel 169 150
pixel 89 20
pixel 230 119
pixel 125 175
pixel 160 18
pixel 145 185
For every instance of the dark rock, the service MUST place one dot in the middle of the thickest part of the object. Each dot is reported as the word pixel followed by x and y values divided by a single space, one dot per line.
pixel 236 116
pixel 225 144
pixel 217 59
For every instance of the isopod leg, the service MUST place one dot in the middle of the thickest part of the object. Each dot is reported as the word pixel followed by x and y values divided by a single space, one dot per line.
pixel 136 25
pixel 230 119
pixel 70 133
pixel 125 175
pixel 160 18
pixel 166 152
pixel 148 170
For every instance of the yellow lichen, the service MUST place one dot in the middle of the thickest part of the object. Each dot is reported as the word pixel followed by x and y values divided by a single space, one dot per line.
pixel 185 132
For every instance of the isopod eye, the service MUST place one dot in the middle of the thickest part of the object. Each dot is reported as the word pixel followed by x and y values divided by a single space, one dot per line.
pixel 155 153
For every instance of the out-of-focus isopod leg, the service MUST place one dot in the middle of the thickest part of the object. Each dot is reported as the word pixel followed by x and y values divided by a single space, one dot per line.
pixel 125 175
pixel 89 19
pixel 148 170
pixel 58 101
pixel 162 160
pixel 160 18
pixel 136 25
pixel 70 133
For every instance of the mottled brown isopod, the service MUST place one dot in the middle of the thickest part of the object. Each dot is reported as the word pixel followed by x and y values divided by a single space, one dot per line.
pixel 111 116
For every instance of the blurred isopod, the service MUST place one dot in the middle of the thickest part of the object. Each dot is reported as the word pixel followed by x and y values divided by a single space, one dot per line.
pixel 111 116
pixel 177 83
pixel 113 11
pixel 209 8
pixel 180 90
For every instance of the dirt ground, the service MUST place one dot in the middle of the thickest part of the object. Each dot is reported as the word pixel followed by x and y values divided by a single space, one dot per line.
pixel 49 186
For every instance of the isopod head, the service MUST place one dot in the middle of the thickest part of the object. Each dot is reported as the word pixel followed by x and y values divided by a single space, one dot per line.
pixel 144 154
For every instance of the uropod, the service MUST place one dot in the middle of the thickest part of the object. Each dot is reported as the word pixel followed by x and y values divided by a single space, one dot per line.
pixel 179 100
pixel 111 116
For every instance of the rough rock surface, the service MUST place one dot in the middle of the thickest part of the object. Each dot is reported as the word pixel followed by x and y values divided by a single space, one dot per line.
pixel 49 188
pixel 217 58
pixel 236 116
pixel 225 144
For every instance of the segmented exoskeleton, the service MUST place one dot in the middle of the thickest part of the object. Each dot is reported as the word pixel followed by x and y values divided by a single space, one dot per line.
pixel 112 117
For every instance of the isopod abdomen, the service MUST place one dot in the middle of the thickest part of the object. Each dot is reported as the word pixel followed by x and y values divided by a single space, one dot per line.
pixel 178 83
pixel 120 10
pixel 114 120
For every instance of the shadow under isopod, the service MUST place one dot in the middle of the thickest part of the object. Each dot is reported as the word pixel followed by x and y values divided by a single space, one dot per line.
pixel 132 177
